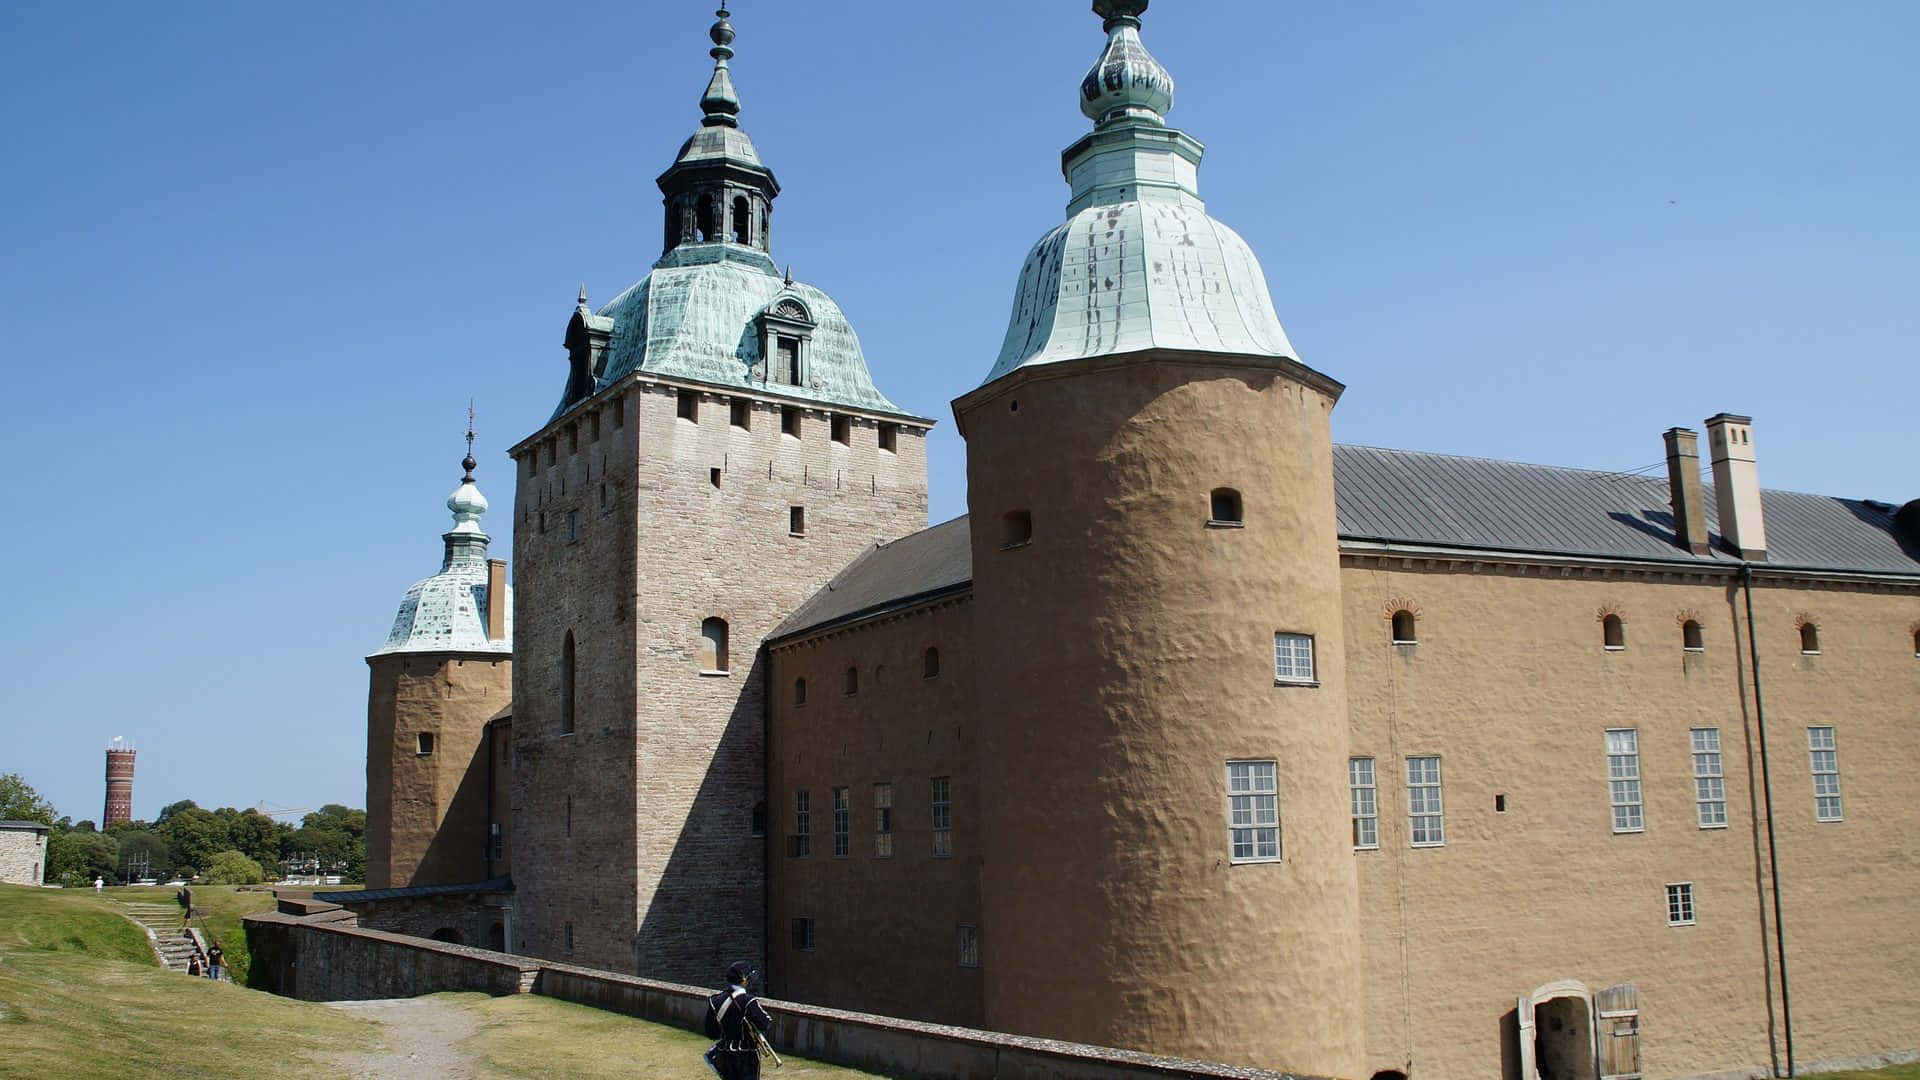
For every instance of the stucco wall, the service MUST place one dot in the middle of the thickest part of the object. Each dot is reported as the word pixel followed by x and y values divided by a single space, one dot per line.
pixel 885 929
pixel 662 873
pixel 1123 657
pixel 427 813
pixel 23 856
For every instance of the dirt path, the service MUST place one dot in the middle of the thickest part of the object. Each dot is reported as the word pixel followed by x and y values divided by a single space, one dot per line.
pixel 422 1040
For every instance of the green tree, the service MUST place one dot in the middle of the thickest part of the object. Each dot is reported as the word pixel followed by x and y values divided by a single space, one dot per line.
pixel 171 809
pixel 336 837
pixel 193 836
pixel 137 841
pixel 19 802
pixel 232 868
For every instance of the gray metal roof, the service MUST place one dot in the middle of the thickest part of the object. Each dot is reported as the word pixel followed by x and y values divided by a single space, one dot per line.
pixel 34 825
pixel 363 896
pixel 1408 498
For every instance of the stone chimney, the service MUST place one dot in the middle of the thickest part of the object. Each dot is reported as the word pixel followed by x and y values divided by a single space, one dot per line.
pixel 1736 485
pixel 1683 486
pixel 496 599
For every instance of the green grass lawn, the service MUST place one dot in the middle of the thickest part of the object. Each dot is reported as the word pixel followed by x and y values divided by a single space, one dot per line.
pixel 1896 1072
pixel 528 1036
pixel 81 997
pixel 225 905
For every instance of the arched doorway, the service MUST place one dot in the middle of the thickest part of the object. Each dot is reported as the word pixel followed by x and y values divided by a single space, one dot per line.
pixel 447 934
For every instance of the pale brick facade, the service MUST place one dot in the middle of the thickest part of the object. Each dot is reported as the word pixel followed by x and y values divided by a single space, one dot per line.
pixel 23 853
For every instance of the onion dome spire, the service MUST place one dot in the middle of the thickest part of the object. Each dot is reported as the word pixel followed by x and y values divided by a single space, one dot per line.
pixel 720 104
pixel 1126 83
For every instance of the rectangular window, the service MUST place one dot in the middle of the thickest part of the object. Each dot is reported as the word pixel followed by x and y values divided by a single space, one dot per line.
pixel 619 411
pixel 1826 774
pixel 1709 782
pixel 1680 904
pixel 424 743
pixel 573 526
pixel 1424 812
pixel 1366 806
pixel 569 937
pixel 842 822
pixel 800 844
pixel 796 521
pixel 593 428
pixel 889 437
pixel 803 934
pixel 942 816
pixel 1253 811
pixel 966 941
pixel 689 405
pixel 786 360
pixel 842 430
pixel 740 414
pixel 496 843
pixel 789 421
pixel 1293 658
pixel 883 821
pixel 1623 779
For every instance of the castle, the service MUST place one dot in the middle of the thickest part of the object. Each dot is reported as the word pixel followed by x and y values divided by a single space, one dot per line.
pixel 1199 734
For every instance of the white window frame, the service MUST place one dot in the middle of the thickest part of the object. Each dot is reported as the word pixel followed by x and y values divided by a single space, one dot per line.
pixel 883 821
pixel 842 822
pixel 1363 784
pixel 1709 778
pixel 942 805
pixel 1680 907
pixel 1624 795
pixel 1253 811
pixel 1823 754
pixel 1293 659
pixel 1426 807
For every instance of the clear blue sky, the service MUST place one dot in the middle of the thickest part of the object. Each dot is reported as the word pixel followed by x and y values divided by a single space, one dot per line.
pixel 255 258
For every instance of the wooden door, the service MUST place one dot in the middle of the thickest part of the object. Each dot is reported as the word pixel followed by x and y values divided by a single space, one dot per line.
pixel 1616 1028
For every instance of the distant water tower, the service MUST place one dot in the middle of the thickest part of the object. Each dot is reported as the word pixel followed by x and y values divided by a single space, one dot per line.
pixel 119 783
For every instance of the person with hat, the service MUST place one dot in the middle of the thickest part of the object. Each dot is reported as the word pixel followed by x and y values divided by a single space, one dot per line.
pixel 738 1025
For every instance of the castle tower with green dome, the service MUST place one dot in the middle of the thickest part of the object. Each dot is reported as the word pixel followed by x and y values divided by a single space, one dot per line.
pixel 718 453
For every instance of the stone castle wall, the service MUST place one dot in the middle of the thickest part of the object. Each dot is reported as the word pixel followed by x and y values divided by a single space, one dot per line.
pixel 679 520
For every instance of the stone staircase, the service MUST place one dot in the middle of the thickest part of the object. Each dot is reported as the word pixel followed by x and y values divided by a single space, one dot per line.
pixel 165 925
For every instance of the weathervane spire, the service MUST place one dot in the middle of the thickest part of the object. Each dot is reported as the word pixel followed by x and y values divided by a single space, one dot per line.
pixel 468 463
pixel 720 104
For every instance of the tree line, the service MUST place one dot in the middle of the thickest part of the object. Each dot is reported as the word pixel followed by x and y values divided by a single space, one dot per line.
pixel 224 846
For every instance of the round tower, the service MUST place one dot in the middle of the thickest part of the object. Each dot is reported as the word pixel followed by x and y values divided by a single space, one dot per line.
pixel 1162 702
pixel 445 669
pixel 119 806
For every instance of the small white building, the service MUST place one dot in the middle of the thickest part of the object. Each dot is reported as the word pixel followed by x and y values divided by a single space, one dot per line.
pixel 23 852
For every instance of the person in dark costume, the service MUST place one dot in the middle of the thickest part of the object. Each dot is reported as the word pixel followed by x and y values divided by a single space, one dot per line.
pixel 737 1024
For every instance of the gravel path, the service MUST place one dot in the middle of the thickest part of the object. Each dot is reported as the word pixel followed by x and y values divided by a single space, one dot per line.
pixel 422 1040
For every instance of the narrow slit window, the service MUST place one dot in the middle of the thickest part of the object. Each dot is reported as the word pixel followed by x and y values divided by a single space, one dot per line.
pixel 713 645
pixel 1809 639
pixel 1623 780
pixel 1016 528
pixel 1253 811
pixel 930 665
pixel 1366 806
pixel 1425 814
pixel 1709 781
pixel 566 685
pixel 1404 630
pixel 1224 507
pixel 1691 639
pixel 1826 773
pixel 850 683
pixel 1613 632
pixel 799 691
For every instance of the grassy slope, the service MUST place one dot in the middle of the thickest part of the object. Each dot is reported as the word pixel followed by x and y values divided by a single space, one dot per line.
pixel 528 1036
pixel 224 905
pixel 81 997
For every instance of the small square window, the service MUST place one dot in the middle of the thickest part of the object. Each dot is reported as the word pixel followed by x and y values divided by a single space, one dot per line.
pixel 1293 658
pixel 790 421
pixel 890 437
pixel 425 743
pixel 1680 904
pixel 843 430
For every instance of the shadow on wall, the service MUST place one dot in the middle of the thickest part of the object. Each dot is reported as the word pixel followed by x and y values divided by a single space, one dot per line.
pixel 457 853
pixel 708 908
pixel 1510 1046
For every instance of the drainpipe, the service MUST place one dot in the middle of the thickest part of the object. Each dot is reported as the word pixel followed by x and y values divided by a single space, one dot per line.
pixel 1766 788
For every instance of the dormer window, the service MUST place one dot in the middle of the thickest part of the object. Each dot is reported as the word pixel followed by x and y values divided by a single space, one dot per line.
pixel 786 327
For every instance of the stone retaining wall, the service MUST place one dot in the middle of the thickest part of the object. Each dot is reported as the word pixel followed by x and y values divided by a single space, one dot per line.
pixel 333 961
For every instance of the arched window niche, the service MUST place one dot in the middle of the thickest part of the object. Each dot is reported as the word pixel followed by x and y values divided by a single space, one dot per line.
pixel 1810 638
pixel 713 646
pixel 1613 632
pixel 742 221
pixel 703 220
pixel 1405 628
pixel 1691 637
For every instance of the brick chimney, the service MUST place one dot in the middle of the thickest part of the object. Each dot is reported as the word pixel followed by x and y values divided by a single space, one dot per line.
pixel 1736 485
pixel 1683 486
pixel 496 599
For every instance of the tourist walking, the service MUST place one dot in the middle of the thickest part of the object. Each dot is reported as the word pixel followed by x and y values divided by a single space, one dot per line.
pixel 215 958
pixel 738 1025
